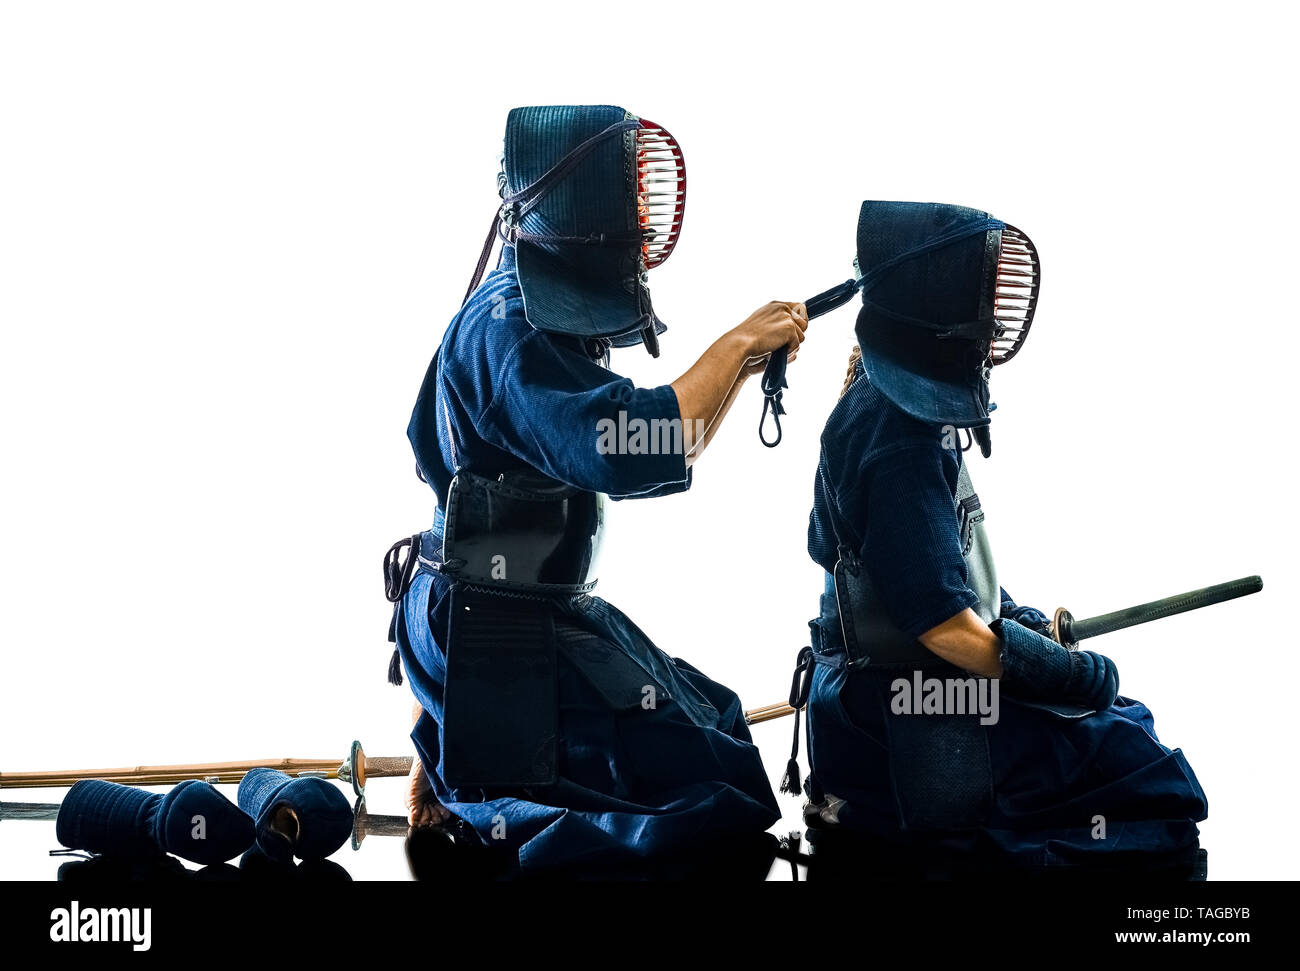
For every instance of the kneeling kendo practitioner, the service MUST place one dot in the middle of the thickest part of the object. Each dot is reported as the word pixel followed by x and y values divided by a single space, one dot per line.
pixel 546 719
pixel 1070 770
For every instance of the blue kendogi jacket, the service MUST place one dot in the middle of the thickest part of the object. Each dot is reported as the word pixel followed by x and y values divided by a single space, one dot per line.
pixel 634 782
pixel 501 396
pixel 1053 768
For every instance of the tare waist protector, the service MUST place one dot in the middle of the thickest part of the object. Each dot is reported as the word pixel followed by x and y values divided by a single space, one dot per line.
pixel 514 548
pixel 523 531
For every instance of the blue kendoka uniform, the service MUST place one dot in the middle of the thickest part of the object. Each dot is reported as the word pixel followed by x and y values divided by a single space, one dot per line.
pixel 890 481
pixel 634 781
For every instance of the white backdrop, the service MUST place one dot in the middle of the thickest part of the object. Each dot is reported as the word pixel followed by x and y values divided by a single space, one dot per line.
pixel 231 235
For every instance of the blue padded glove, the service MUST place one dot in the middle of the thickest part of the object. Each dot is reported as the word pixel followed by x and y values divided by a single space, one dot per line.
pixel 193 821
pixel 1036 668
pixel 306 818
pixel 1030 617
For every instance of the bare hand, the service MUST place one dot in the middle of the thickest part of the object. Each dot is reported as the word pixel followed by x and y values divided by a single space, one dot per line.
pixel 425 809
pixel 770 327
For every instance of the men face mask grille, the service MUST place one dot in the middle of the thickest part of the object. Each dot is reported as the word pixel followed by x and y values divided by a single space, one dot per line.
pixel 1015 294
pixel 660 192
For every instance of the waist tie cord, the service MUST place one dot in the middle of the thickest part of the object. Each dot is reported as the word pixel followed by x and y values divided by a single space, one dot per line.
pixel 800 685
pixel 398 572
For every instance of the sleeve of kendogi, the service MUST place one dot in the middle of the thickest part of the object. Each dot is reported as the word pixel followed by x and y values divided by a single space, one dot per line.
pixel 912 547
pixel 578 422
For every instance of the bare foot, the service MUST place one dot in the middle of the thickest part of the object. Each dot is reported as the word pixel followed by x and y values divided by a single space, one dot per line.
pixel 425 809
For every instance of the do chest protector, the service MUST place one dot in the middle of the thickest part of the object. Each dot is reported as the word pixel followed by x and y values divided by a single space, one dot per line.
pixel 870 637
pixel 515 549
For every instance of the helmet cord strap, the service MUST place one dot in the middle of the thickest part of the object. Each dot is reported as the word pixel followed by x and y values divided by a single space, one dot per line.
pixel 519 203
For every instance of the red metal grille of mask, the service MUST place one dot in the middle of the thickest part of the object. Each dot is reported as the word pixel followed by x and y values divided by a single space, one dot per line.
pixel 660 191
pixel 1015 294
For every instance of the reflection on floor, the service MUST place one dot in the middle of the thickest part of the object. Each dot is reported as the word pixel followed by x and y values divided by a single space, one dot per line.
pixel 442 853
pixel 253 866
pixel 836 855
pixel 454 852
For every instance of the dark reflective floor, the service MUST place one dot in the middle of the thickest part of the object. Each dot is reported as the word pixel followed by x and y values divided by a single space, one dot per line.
pixel 383 848
pixel 447 852
pixel 835 856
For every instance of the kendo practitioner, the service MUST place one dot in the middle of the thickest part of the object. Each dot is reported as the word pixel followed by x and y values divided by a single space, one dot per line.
pixel 1071 771
pixel 545 719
